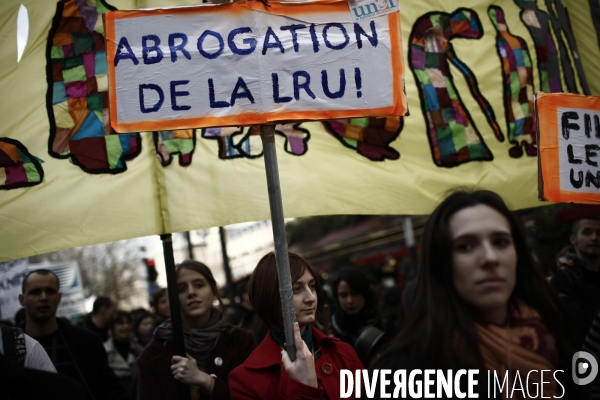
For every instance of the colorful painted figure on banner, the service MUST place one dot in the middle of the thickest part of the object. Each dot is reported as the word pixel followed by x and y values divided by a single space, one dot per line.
pixel 536 22
pixel 168 143
pixel 452 134
pixel 560 19
pixel 517 80
pixel 77 98
pixel 18 168
pixel 370 137
pixel 236 142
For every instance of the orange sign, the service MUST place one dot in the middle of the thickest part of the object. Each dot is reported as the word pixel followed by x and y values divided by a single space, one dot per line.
pixel 568 129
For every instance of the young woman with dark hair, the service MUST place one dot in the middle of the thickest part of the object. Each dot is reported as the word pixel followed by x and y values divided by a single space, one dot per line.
pixel 213 347
pixel 268 373
pixel 142 328
pixel 354 305
pixel 160 306
pixel 481 302
pixel 355 320
pixel 123 351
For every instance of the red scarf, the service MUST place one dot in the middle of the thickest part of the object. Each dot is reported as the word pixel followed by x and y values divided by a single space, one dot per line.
pixel 525 344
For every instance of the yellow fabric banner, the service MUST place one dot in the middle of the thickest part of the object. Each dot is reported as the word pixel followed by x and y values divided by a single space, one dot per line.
pixel 66 180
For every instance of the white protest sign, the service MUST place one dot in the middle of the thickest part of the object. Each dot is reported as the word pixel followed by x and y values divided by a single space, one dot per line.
pixel 11 277
pixel 569 144
pixel 243 63
pixel 580 145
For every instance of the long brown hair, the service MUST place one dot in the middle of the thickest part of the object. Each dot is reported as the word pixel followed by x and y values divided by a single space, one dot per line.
pixel 263 288
pixel 438 322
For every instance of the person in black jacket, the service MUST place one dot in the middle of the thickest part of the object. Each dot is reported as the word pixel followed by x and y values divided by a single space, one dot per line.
pixel 75 352
pixel 97 321
pixel 20 383
pixel 481 303
pixel 578 285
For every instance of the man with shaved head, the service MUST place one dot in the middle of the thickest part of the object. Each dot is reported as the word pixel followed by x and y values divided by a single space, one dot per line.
pixel 75 352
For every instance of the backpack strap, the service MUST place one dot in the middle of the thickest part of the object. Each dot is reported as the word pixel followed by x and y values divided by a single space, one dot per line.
pixel 13 340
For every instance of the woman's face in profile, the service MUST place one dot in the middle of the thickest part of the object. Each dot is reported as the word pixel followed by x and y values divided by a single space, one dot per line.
pixel 350 301
pixel 305 300
pixel 484 261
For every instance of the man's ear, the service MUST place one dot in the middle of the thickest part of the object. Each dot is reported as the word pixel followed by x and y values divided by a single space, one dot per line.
pixel 573 239
pixel 21 299
pixel 59 297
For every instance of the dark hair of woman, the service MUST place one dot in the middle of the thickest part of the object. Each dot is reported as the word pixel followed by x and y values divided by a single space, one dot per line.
pixel 439 316
pixel 269 373
pixel 359 284
pixel 140 316
pixel 263 288
pixel 157 295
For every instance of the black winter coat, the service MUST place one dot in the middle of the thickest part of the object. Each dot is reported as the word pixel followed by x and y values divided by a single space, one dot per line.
pixel 86 350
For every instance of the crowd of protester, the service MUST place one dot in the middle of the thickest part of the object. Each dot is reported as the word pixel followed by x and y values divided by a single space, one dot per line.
pixel 480 301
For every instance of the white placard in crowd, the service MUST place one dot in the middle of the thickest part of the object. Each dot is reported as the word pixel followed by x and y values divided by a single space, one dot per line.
pixel 11 276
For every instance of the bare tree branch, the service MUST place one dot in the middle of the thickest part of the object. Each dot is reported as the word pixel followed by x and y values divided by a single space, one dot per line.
pixel 111 269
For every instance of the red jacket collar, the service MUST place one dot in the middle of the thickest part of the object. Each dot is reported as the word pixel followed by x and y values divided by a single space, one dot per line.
pixel 268 352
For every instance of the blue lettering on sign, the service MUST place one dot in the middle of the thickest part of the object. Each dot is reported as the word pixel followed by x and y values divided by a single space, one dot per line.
pixel 293 29
pixel 267 42
pixel 245 94
pixel 175 94
pixel 211 96
pixel 124 44
pixel 358 31
pixel 158 105
pixel 300 80
pixel 313 37
pixel 152 52
pixel 358 80
pixel 210 56
pixel 146 50
pixel 180 47
pixel 342 29
pixel 250 42
pixel 305 85
pixel 325 83
pixel 276 98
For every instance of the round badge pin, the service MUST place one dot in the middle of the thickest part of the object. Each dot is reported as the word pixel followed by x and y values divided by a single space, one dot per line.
pixel 218 361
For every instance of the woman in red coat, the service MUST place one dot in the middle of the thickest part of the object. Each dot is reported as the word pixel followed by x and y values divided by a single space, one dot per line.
pixel 268 373
pixel 213 348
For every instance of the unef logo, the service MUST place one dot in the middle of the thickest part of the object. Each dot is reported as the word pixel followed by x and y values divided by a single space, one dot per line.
pixel 371 9
pixel 583 364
